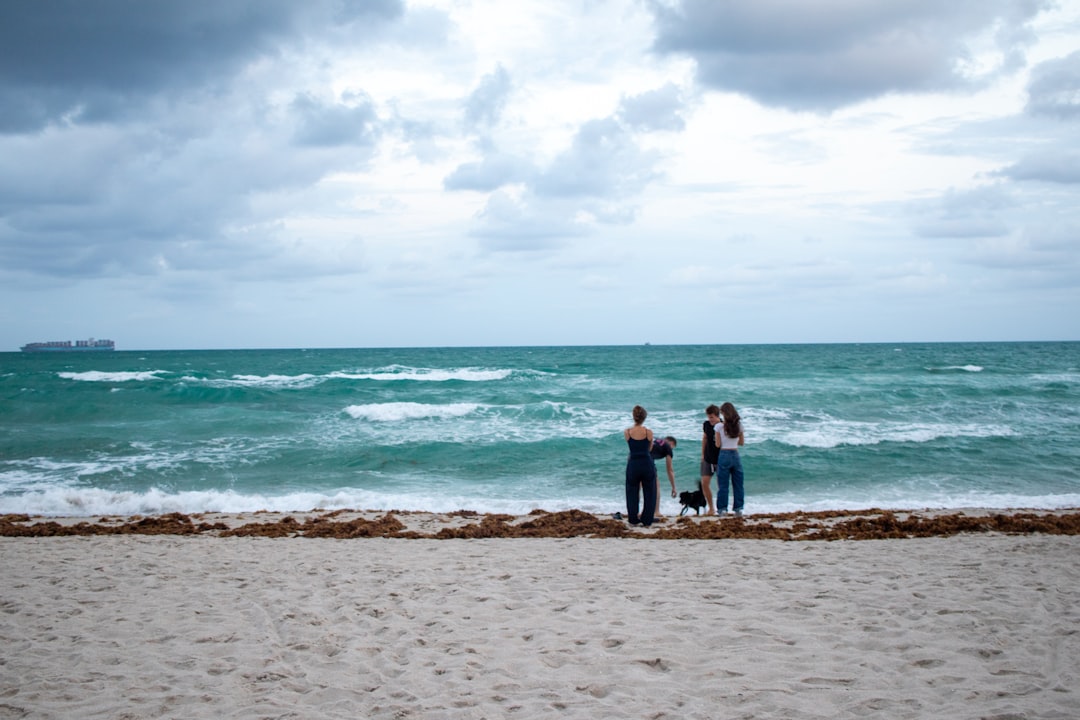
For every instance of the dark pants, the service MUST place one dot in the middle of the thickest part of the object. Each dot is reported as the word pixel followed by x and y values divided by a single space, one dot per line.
pixel 640 479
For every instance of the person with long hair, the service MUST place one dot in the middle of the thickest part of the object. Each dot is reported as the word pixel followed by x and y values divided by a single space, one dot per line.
pixel 640 470
pixel 729 438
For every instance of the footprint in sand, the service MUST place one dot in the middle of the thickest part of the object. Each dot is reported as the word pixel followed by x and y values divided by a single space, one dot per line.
pixel 657 664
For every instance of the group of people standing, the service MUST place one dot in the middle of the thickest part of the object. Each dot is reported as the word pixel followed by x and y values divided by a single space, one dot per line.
pixel 722 436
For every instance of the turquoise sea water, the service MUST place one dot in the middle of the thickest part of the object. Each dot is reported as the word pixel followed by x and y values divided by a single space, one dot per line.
pixel 513 429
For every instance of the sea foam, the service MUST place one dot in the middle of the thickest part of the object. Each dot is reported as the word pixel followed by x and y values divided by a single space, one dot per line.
pixel 96 502
pixel 401 372
pixel 837 433
pixel 308 380
pixel 98 376
pixel 397 411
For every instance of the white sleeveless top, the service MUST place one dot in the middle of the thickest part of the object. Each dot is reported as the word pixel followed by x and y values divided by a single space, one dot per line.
pixel 726 443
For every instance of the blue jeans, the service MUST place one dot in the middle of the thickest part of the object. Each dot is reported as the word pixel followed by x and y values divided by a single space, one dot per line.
pixel 729 466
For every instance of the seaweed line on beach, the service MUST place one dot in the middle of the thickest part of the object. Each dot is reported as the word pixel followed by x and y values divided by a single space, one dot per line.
pixel 872 524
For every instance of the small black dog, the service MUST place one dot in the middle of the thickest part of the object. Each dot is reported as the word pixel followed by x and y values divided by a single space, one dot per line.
pixel 695 499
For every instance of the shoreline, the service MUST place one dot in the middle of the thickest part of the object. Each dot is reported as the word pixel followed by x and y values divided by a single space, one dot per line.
pixel 869 524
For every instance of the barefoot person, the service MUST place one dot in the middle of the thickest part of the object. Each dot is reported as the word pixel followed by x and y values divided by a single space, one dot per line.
pixel 664 449
pixel 729 438
pixel 640 470
pixel 709 454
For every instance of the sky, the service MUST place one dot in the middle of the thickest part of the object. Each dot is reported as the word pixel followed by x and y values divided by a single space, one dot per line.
pixel 392 173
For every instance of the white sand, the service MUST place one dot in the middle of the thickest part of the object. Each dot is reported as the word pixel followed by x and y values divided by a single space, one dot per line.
pixel 203 627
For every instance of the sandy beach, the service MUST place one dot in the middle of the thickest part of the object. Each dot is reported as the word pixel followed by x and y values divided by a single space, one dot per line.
pixel 125 625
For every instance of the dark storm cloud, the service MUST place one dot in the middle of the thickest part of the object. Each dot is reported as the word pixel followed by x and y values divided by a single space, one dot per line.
pixel 123 204
pixel 126 202
pixel 1054 88
pixel 823 55
pixel 73 60
pixel 146 153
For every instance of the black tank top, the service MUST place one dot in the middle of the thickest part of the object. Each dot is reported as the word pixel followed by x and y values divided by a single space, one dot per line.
pixel 712 453
pixel 639 448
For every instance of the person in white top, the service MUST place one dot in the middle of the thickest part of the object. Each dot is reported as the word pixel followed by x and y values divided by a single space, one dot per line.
pixel 729 438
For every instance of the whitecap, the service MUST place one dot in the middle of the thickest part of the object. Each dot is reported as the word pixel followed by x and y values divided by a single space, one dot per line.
pixel 830 433
pixel 402 372
pixel 275 381
pixel 397 411
pixel 960 368
pixel 86 502
pixel 98 376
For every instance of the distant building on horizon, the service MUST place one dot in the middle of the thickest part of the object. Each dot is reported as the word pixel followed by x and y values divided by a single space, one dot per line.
pixel 68 346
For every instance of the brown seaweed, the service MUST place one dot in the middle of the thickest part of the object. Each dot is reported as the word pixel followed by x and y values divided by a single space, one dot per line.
pixel 873 524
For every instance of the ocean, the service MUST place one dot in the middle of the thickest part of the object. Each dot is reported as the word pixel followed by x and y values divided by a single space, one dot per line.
pixel 513 429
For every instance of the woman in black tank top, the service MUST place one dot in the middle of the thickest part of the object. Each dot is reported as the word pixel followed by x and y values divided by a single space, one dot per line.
pixel 640 470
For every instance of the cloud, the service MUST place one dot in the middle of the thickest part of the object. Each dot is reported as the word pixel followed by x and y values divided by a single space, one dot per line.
pixel 515 224
pixel 1016 237
pixel 483 110
pixel 595 180
pixel 1047 261
pixel 302 159
pixel 210 151
pixel 485 105
pixel 322 124
pixel 492 172
pixel 1054 88
pixel 654 110
pixel 604 160
pixel 1056 167
pixel 976 213
pixel 825 55
pixel 61 61
pixel 112 200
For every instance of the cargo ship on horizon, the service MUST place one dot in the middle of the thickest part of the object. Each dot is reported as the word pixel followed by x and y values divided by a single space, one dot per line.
pixel 91 345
